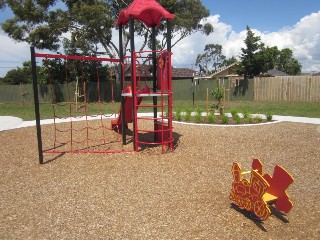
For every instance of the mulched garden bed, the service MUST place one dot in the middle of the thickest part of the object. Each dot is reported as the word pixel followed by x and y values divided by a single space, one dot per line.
pixel 148 195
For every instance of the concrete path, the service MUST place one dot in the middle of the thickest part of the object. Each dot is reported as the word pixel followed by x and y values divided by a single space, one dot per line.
pixel 9 122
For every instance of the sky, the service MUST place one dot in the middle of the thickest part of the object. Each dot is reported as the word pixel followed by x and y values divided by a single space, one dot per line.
pixel 290 24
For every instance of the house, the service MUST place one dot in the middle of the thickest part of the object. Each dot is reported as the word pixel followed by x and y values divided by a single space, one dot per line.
pixel 145 72
pixel 183 73
pixel 273 73
pixel 228 74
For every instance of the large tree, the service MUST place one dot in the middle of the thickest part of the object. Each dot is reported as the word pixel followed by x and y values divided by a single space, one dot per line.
pixel 20 75
pixel 287 63
pixel 212 58
pixel 86 25
pixel 250 58
pixel 256 58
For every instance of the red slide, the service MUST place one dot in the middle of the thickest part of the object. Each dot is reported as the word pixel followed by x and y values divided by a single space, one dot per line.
pixel 116 123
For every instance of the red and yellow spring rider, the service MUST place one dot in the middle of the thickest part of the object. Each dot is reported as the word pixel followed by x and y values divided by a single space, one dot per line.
pixel 255 195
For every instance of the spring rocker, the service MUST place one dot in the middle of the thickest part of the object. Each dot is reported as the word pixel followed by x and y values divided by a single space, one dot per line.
pixel 255 195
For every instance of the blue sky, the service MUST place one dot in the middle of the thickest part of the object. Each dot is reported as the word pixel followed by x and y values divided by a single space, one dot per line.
pixel 290 24
pixel 267 16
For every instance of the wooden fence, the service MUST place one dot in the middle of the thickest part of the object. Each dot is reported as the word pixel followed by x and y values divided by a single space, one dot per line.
pixel 183 90
pixel 287 88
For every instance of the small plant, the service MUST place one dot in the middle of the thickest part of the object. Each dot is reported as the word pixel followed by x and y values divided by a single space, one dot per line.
pixel 258 119
pixel 218 94
pixel 250 119
pixel 225 119
pixel 211 118
pixel 187 115
pixel 246 114
pixel 237 119
pixel 178 114
pixel 234 112
pixel 269 117
pixel 198 116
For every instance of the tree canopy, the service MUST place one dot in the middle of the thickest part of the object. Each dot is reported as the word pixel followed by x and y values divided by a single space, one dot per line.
pixel 20 75
pixel 86 25
pixel 256 58
pixel 212 58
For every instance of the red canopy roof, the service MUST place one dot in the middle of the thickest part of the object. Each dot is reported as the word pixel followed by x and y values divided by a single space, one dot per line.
pixel 150 12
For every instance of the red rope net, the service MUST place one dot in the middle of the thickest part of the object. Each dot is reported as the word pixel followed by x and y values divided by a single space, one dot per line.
pixel 82 93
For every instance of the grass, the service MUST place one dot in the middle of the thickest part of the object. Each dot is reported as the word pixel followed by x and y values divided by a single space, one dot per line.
pixel 301 109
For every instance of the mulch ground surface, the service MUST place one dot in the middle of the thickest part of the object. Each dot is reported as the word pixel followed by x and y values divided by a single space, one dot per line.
pixel 148 195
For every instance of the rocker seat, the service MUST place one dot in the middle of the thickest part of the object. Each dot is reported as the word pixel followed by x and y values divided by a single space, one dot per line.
pixel 269 198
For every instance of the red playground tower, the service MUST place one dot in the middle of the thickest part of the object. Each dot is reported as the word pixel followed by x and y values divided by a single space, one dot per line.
pixel 150 13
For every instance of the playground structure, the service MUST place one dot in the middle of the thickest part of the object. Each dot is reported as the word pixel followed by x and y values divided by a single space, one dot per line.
pixel 256 194
pixel 150 13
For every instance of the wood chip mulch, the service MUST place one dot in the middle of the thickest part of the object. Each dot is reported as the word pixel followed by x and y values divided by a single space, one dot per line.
pixel 148 195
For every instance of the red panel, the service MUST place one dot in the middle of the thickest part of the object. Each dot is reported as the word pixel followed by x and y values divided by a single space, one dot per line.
pixel 150 12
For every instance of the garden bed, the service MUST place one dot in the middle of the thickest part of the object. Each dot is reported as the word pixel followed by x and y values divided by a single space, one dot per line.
pixel 226 119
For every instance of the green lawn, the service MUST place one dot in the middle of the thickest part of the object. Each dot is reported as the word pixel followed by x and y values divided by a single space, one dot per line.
pixel 302 109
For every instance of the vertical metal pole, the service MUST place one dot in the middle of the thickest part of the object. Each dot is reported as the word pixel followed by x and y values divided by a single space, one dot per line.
pixel 168 35
pixel 170 101
pixel 133 83
pixel 123 120
pixel 154 75
pixel 36 103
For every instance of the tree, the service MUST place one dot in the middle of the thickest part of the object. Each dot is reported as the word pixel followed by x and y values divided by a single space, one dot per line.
pixel 287 63
pixel 19 75
pixel 257 59
pixel 89 23
pixel 229 61
pixel 212 58
pixel 250 59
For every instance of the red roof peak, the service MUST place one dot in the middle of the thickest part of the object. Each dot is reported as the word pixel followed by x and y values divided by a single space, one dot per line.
pixel 150 12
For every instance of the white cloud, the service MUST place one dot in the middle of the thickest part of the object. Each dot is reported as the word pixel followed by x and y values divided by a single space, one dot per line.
pixel 12 54
pixel 303 39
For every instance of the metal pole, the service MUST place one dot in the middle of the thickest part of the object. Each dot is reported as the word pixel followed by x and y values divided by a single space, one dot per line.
pixel 170 101
pixel 154 75
pixel 123 122
pixel 133 83
pixel 168 35
pixel 36 103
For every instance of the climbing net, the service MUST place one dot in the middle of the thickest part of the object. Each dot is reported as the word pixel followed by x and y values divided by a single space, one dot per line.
pixel 82 91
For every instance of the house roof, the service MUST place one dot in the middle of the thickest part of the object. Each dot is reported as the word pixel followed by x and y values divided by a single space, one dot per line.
pixel 275 72
pixel 146 71
pixel 225 71
pixel 183 73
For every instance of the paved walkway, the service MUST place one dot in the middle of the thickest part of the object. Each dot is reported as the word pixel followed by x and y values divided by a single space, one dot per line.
pixel 9 122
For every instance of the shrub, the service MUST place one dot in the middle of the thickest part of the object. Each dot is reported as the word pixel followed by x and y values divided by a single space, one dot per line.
pixel 258 119
pixel 246 114
pixel 234 112
pixel 237 119
pixel 218 94
pixel 225 119
pixel 269 117
pixel 187 116
pixel 198 116
pixel 178 114
pixel 250 119
pixel 211 118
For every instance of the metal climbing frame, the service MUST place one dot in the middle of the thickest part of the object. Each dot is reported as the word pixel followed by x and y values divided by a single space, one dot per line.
pixel 161 95
pixel 86 137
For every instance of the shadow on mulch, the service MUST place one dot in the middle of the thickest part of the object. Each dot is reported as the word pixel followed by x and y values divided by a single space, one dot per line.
pixel 257 221
pixel 149 137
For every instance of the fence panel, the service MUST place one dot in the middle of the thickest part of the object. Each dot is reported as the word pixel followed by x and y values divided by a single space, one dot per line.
pixel 183 89
pixel 287 88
